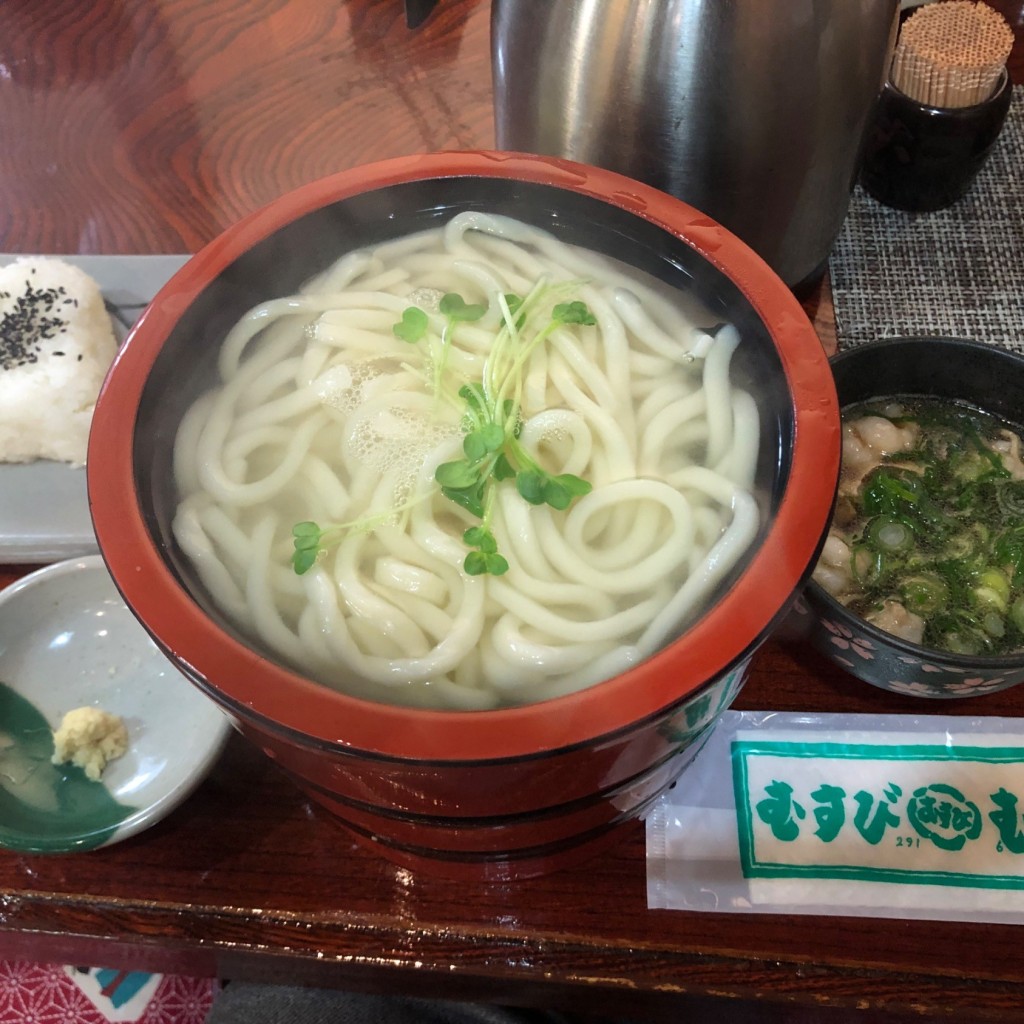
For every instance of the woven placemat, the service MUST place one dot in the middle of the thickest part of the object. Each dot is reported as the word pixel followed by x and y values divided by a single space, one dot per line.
pixel 957 272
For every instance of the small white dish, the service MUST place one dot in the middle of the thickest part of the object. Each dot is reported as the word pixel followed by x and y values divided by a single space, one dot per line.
pixel 44 506
pixel 67 640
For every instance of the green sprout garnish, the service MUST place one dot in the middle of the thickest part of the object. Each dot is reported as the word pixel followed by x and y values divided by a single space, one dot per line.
pixel 412 328
pixel 413 325
pixel 491 422
pixel 454 309
pixel 486 558
pixel 573 313
pixel 491 445
pixel 307 545
pixel 309 538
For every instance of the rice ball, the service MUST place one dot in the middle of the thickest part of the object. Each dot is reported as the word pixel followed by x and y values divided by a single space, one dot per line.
pixel 56 345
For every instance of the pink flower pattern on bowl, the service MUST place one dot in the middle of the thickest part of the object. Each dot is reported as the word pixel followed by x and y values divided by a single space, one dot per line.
pixel 911 689
pixel 978 685
pixel 883 665
pixel 845 640
pixel 974 687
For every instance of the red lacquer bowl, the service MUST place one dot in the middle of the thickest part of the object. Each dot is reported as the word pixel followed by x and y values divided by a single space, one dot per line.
pixel 501 793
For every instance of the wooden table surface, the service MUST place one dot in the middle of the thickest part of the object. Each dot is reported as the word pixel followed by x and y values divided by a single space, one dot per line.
pixel 131 126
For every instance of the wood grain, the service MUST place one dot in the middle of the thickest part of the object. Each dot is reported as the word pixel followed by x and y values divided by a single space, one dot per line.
pixel 150 125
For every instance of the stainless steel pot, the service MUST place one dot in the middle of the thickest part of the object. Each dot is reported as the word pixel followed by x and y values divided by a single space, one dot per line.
pixel 753 111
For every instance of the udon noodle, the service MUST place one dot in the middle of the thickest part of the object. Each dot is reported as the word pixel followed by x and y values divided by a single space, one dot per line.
pixel 324 415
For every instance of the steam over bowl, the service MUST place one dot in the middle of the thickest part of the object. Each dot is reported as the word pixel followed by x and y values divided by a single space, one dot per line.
pixel 511 791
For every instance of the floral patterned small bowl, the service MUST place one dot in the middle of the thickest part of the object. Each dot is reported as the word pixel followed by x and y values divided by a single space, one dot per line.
pixel 884 660
pixel 984 376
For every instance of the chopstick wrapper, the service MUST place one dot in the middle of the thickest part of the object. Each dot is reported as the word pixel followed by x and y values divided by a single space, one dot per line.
pixel 857 815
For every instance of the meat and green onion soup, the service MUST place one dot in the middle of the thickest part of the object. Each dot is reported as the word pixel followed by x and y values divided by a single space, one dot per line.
pixel 927 539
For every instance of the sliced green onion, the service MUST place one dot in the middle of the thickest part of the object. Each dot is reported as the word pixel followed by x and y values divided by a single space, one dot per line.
pixel 925 593
pixel 993 624
pixel 992 591
pixel 888 534
pixel 869 567
pixel 1017 613
pixel 960 642
pixel 962 545
pixel 1010 497
pixel 1008 549
pixel 887 490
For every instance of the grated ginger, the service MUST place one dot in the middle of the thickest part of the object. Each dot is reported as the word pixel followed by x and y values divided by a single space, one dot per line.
pixel 89 737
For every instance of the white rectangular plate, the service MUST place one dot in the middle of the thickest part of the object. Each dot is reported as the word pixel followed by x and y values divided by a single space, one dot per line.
pixel 44 506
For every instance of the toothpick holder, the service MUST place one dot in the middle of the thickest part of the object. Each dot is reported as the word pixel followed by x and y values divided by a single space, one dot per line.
pixel 918 157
